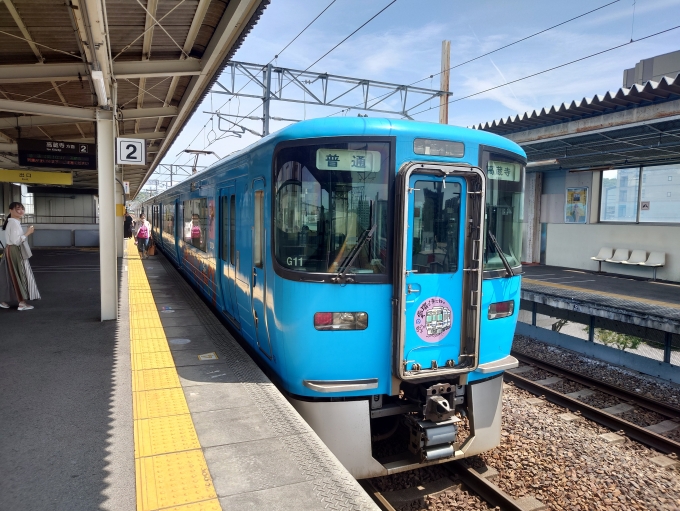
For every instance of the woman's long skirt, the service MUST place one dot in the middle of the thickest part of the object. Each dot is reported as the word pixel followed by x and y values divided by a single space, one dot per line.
pixel 17 282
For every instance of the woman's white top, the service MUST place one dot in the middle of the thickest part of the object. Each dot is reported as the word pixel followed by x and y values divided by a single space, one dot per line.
pixel 14 233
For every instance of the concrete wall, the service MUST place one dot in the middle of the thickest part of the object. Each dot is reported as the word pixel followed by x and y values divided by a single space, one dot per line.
pixel 70 208
pixel 573 245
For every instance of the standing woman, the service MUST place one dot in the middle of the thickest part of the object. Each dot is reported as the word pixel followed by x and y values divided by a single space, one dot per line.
pixel 17 283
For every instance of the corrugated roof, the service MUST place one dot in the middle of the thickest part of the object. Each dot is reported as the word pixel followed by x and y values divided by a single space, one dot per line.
pixel 639 95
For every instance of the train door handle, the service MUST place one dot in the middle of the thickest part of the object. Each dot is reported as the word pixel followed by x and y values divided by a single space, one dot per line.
pixel 410 289
pixel 254 277
pixel 255 318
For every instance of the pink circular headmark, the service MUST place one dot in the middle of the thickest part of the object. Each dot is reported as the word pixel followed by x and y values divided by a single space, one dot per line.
pixel 433 319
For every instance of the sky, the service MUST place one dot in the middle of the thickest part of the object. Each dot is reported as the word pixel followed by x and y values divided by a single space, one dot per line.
pixel 403 45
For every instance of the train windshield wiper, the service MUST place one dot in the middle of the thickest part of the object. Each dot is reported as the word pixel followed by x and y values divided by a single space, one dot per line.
pixel 508 269
pixel 365 237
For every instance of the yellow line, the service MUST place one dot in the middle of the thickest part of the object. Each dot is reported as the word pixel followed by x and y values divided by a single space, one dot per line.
pixel 171 471
pixel 603 293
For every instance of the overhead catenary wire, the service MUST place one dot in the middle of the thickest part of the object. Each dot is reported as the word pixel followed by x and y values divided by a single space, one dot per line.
pixel 329 51
pixel 314 63
pixel 492 51
pixel 250 80
pixel 556 67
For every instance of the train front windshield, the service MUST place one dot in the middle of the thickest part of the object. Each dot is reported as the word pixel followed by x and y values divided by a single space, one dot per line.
pixel 330 211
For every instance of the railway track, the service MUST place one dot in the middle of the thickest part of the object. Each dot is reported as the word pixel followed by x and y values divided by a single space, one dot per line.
pixel 644 435
pixel 461 477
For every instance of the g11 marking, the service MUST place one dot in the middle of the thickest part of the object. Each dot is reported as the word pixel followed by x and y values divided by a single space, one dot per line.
pixel 294 261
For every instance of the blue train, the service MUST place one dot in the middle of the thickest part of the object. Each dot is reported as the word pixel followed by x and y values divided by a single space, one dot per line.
pixel 373 265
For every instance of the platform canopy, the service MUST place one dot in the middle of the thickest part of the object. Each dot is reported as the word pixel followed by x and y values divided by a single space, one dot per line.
pixel 631 126
pixel 148 63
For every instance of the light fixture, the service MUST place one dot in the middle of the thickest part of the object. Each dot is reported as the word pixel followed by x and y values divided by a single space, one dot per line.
pixel 99 87
pixel 542 163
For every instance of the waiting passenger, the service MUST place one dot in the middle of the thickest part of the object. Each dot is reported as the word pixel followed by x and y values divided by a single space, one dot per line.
pixel 142 233
pixel 17 283
pixel 127 226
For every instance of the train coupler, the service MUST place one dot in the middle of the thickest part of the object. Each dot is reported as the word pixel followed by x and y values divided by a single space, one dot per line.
pixel 432 440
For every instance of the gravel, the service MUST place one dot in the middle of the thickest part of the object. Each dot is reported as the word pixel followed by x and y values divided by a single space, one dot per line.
pixel 600 400
pixel 648 386
pixel 642 417
pixel 536 374
pixel 566 465
pixel 453 498
pixel 566 387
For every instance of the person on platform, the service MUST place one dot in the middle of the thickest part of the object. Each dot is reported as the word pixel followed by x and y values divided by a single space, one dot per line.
pixel 127 226
pixel 17 283
pixel 142 234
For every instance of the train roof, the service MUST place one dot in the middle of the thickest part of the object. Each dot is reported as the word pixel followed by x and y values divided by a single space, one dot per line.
pixel 369 126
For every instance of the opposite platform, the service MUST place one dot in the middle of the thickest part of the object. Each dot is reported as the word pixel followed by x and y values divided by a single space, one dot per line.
pixel 200 397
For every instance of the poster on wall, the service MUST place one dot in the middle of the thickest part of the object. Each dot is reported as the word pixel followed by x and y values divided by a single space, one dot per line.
pixel 576 209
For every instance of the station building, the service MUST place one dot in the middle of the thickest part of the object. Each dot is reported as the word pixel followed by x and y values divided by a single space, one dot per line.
pixel 604 172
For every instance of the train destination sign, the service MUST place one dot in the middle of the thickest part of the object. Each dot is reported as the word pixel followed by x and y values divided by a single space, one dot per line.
pixel 348 159
pixel 34 176
pixel 57 155
pixel 503 171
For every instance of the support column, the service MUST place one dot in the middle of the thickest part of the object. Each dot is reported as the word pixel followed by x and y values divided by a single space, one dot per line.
pixel 120 213
pixel 533 188
pixel 108 274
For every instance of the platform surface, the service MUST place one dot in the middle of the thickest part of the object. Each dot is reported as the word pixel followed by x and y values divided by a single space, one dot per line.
pixel 607 290
pixel 161 409
pixel 65 408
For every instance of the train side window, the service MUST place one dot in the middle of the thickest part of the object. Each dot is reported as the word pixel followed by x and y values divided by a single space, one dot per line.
pixel 232 230
pixel 258 242
pixel 436 227
pixel 224 207
pixel 196 223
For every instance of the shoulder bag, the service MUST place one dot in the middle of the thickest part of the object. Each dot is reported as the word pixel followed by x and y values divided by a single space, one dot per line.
pixel 26 250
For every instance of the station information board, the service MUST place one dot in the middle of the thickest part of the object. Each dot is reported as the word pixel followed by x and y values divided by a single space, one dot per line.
pixel 36 177
pixel 57 155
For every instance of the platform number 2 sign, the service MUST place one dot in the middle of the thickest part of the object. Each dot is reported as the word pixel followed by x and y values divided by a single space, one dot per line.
pixel 130 151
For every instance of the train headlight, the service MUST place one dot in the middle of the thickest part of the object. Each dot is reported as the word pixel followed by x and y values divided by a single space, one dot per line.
pixel 501 309
pixel 341 321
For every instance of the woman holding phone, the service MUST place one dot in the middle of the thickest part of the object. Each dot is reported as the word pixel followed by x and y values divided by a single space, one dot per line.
pixel 17 283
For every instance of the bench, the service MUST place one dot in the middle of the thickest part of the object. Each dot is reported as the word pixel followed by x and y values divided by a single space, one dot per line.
pixel 636 258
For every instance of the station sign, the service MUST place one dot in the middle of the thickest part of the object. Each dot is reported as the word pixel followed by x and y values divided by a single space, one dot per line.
pixel 57 155
pixel 130 151
pixel 34 176
pixel 126 187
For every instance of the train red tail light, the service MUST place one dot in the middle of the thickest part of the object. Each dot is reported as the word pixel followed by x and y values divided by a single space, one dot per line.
pixel 341 321
pixel 501 309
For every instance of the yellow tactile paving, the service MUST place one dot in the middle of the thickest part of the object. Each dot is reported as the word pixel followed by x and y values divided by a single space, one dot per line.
pixel 149 345
pixel 171 471
pixel 603 293
pixel 154 379
pixel 159 403
pixel 153 360
pixel 174 480
pixel 208 505
pixel 165 434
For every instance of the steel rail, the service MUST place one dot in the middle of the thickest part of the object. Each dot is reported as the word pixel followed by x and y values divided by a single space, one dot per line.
pixel 468 477
pixel 614 390
pixel 638 433
pixel 482 487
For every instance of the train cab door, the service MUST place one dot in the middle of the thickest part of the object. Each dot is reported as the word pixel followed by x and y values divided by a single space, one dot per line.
pixel 258 277
pixel 228 250
pixel 178 230
pixel 436 286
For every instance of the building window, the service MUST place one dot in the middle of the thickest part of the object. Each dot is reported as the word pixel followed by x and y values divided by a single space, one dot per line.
pixel 662 194
pixel 619 200
pixel 619 195
pixel 195 223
